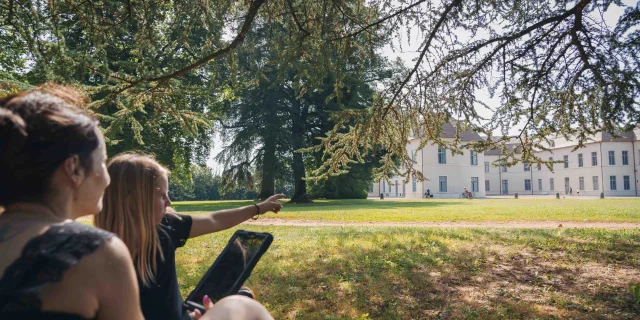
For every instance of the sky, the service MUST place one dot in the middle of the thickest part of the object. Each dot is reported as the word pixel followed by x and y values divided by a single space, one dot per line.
pixel 410 52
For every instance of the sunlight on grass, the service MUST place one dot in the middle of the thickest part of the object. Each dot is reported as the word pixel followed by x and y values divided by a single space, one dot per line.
pixel 410 273
pixel 440 210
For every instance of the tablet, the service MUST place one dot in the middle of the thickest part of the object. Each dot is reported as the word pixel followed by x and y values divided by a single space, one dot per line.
pixel 232 267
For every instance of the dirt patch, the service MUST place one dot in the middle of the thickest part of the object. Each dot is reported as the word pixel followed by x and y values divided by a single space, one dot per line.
pixel 537 286
pixel 481 224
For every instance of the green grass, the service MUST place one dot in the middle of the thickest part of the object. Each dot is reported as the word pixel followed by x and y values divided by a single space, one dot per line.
pixel 440 210
pixel 411 273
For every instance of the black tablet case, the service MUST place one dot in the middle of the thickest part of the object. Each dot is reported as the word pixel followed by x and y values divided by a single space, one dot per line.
pixel 258 243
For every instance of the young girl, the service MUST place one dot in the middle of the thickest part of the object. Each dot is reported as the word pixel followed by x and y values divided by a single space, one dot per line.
pixel 135 209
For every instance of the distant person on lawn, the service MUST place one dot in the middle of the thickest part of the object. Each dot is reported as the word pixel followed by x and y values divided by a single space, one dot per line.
pixel 136 208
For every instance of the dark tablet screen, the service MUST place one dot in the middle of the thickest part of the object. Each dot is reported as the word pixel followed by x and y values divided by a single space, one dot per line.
pixel 233 266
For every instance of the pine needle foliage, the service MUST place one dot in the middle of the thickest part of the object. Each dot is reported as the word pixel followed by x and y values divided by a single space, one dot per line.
pixel 554 68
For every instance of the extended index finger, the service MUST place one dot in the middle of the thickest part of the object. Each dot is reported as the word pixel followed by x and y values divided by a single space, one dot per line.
pixel 277 196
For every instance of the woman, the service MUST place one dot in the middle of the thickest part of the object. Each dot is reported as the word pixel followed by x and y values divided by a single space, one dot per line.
pixel 135 208
pixel 53 171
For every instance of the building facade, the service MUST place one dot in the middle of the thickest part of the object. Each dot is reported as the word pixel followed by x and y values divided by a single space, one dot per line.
pixel 446 174
pixel 607 164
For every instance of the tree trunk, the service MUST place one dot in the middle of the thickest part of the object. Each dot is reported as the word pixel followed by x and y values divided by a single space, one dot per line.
pixel 267 186
pixel 298 124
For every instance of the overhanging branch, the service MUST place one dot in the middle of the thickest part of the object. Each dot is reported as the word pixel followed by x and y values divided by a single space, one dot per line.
pixel 427 45
pixel 251 14
pixel 367 27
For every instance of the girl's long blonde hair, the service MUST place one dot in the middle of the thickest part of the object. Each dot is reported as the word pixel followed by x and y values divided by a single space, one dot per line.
pixel 128 209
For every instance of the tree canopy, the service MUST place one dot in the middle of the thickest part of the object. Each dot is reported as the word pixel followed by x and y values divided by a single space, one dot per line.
pixel 555 67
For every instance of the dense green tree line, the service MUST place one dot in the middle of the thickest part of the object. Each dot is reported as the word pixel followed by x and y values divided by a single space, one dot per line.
pixel 206 185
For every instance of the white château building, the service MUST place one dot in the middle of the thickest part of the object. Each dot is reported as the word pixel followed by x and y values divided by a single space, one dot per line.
pixel 606 164
pixel 447 175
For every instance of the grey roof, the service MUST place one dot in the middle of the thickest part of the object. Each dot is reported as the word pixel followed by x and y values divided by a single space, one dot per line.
pixel 621 137
pixel 628 136
pixel 498 151
pixel 449 131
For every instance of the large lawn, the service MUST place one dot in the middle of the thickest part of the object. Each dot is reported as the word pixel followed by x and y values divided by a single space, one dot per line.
pixel 412 273
pixel 460 273
pixel 419 210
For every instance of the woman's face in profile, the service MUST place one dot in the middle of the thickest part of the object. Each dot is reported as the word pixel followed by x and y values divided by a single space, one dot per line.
pixel 91 190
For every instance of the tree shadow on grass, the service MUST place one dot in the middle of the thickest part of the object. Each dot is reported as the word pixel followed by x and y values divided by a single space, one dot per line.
pixel 591 245
pixel 416 273
pixel 434 279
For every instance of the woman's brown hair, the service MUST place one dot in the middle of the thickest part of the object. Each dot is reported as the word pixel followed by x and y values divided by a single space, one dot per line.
pixel 39 129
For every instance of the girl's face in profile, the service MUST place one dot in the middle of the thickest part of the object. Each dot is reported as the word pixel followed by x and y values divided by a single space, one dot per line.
pixel 161 199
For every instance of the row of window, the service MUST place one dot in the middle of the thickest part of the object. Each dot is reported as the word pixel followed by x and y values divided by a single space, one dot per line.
pixel 442 185
pixel 442 159
pixel 384 186
pixel 613 185
pixel 442 156
pixel 594 161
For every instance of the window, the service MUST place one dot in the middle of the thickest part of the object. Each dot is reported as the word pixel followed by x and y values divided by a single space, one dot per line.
pixel 626 182
pixel 527 166
pixel 442 155
pixel 625 158
pixel 486 186
pixel 581 182
pixel 612 158
pixel 371 188
pixel 474 158
pixel 486 166
pixel 504 168
pixel 612 183
pixel 383 187
pixel 551 186
pixel 413 185
pixel 551 164
pixel 527 184
pixel 539 184
pixel 566 161
pixel 594 158
pixel 539 166
pixel 580 161
pixel 475 187
pixel 442 184
pixel 596 186
pixel 413 155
